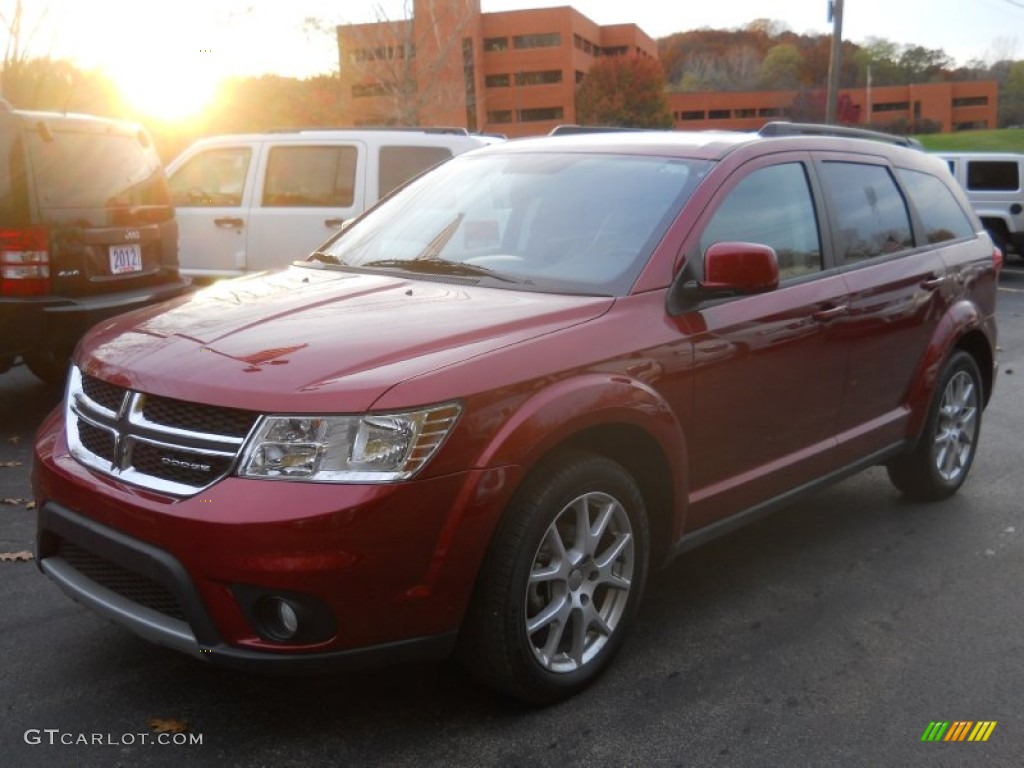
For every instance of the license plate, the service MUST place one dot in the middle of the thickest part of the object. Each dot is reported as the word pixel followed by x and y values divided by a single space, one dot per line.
pixel 125 258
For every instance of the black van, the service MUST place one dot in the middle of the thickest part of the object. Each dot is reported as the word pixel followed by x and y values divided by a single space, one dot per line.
pixel 87 231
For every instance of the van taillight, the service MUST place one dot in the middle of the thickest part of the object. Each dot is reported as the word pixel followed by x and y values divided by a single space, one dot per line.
pixel 24 262
pixel 997 258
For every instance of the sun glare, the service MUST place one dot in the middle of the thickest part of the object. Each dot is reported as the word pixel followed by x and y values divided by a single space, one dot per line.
pixel 169 93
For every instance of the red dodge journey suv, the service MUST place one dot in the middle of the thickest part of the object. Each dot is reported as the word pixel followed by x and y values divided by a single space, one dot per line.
pixel 474 419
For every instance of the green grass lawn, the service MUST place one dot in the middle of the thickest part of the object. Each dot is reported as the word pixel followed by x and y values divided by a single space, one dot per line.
pixel 1006 140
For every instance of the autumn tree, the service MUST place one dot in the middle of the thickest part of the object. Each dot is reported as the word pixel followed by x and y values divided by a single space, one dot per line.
pixel 781 68
pixel 624 91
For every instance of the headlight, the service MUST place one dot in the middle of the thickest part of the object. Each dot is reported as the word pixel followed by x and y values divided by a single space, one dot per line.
pixel 372 448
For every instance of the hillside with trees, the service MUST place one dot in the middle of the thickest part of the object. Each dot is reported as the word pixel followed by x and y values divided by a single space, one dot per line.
pixel 767 55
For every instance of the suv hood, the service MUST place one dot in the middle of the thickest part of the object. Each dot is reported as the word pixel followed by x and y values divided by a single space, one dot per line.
pixel 341 339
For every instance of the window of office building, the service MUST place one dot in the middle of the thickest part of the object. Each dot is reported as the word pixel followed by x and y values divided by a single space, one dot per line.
pixel 541 113
pixel 545 77
pixel 495 43
pixel 542 40
pixel 497 81
pixel 891 106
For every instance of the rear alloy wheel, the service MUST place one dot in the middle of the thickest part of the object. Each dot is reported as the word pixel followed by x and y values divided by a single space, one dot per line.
pixel 943 456
pixel 561 583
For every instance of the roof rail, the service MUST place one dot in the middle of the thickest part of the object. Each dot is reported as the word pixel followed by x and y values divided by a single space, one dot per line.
pixel 783 128
pixel 569 129
pixel 448 130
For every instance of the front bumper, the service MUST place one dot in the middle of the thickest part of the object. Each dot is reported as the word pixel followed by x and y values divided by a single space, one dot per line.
pixel 393 564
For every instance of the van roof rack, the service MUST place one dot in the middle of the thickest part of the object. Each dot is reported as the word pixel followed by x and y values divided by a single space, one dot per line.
pixel 447 130
pixel 783 128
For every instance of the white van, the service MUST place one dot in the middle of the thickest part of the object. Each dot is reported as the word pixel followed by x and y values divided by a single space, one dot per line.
pixel 259 201
pixel 994 182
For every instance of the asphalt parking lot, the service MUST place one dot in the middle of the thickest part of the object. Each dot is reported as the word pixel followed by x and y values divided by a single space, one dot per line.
pixel 829 634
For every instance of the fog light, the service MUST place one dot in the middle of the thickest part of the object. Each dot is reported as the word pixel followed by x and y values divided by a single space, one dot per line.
pixel 279 617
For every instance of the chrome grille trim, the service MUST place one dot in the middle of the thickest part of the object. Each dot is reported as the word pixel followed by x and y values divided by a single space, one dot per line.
pixel 193 460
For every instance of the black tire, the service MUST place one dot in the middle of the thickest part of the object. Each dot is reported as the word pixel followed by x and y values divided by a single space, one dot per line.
pixel 942 458
pixel 592 588
pixel 49 365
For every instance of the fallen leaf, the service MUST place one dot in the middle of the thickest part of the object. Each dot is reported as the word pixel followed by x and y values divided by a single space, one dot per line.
pixel 30 505
pixel 14 439
pixel 167 724
pixel 14 502
pixel 15 557
pixel 10 463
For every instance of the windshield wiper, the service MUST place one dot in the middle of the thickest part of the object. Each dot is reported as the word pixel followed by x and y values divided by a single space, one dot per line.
pixel 325 258
pixel 437 266
pixel 434 247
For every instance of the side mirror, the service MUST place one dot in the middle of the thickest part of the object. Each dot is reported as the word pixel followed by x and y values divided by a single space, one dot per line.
pixel 739 268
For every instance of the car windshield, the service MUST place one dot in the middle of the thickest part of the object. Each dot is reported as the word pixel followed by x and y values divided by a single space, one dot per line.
pixel 566 222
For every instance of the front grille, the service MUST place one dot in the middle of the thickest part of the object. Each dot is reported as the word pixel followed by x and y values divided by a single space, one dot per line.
pixel 97 440
pixel 128 584
pixel 178 466
pixel 110 396
pixel 196 416
pixel 167 445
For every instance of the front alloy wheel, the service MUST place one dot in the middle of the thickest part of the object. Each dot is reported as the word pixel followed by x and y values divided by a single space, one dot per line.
pixel 580 582
pixel 561 582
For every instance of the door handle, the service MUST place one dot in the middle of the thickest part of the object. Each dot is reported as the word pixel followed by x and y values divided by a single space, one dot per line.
pixel 333 223
pixel 229 222
pixel 932 283
pixel 830 313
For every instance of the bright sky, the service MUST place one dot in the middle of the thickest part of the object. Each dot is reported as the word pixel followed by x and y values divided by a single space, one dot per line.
pixel 144 44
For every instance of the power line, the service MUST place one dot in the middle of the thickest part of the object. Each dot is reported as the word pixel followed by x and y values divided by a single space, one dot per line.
pixel 1015 3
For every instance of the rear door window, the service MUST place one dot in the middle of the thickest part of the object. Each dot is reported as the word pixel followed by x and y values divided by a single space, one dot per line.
pixel 310 177
pixel 993 175
pixel 869 212
pixel 399 164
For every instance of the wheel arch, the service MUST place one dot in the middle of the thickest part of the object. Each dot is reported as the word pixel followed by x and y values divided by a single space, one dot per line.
pixel 964 326
pixel 976 344
pixel 631 425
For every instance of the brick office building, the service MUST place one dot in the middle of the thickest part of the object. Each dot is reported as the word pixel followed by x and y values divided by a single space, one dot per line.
pixel 952 106
pixel 516 73
pixel 513 72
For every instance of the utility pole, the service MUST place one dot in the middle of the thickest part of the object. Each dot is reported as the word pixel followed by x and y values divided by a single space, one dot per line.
pixel 835 15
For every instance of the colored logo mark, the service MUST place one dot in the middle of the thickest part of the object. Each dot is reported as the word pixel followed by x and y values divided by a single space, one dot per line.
pixel 958 730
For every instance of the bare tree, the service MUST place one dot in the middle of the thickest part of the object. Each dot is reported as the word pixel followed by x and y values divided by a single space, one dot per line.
pixel 407 69
pixel 20 34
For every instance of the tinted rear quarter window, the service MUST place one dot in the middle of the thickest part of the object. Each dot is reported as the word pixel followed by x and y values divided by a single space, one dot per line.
pixel 940 213
pixel 870 214
pixel 993 175
pixel 91 169
pixel 399 164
